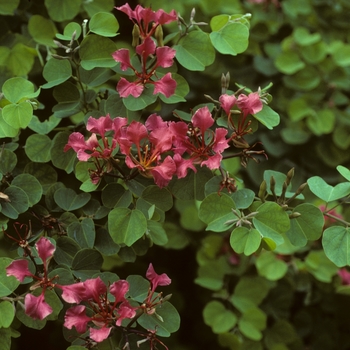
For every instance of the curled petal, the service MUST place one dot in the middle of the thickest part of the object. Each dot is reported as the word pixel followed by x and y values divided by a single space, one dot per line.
pixel 166 85
pixel 99 125
pixel 164 172
pixel 154 121
pixel 220 143
pixel 75 316
pixel 227 102
pixel 147 48
pixel 213 162
pixel 250 104
pixel 155 279
pixel 94 287
pixel 182 165
pixel 164 18
pixel 45 249
pixel 19 269
pixel 73 293
pixel 36 307
pixel 202 119
pixel 125 310
pixel 125 88
pixel 122 56
pixel 165 56
pixel 99 335
pixel 119 289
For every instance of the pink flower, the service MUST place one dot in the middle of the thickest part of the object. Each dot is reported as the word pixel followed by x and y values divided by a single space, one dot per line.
pixel 19 269
pixel 125 310
pixel 99 335
pixel 118 289
pixel 45 250
pixel 75 316
pixel 345 276
pixel 227 102
pixel 155 279
pixel 73 293
pixel 36 307
pixel 250 104
pixel 166 85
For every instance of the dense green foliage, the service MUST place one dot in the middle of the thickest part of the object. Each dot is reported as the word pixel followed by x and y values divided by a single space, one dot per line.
pixel 257 249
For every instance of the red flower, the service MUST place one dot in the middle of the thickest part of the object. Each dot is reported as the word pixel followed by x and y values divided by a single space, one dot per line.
pixel 155 279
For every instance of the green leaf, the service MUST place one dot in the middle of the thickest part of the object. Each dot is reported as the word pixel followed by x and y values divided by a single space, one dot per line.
pixel 271 220
pixel 68 31
pixel 232 39
pixel 38 148
pixel 126 226
pixel 305 80
pixel 7 7
pixel 320 266
pixel 44 173
pixel 68 200
pixel 96 51
pixel 60 159
pixel 19 202
pixel 270 267
pixel 341 55
pixel 243 240
pixel 170 324
pixel 211 275
pixel 18 115
pixel 63 10
pixel 281 332
pixel 87 262
pixel 216 212
pixel 104 243
pixel 7 283
pixel 95 6
pixel 252 322
pixel 30 185
pixel 43 128
pixel 336 245
pixel 306 227
pixel 56 72
pixel 303 37
pixel 7 314
pixel 326 192
pixel 218 317
pixel 82 232
pixel 345 172
pixel 138 103
pixel 8 161
pixel 268 117
pixel 195 51
pixel 160 197
pixel 6 130
pixel 66 249
pixel 95 77
pixel 42 30
pixel 322 122
pixel 157 233
pixel 115 195
pixel 104 24
pixel 18 88
pixel 138 288
pixel 243 198
pixel 289 62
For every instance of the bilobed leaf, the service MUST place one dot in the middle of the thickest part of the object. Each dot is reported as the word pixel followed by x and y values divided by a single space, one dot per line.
pixel 195 51
pixel 345 172
pixel 232 39
pixel 59 158
pixel 7 314
pixel 170 324
pixel 18 115
pixel 326 192
pixel 68 200
pixel 7 283
pixel 271 221
pixel 95 77
pixel 138 103
pixel 216 212
pixel 289 62
pixel 63 10
pixel 252 322
pixel 160 197
pixel 56 72
pixel 42 30
pixel 306 227
pixel 44 173
pixel 96 51
pixel 82 232
pixel 85 262
pixel 43 128
pixel 115 195
pixel 219 318
pixel 243 240
pixel 270 267
pixel 268 117
pixel 38 148
pixel 17 88
pixel 138 289
pixel 6 130
pixel 243 198
pixel 126 226
pixel 104 24
pixel 95 6
pixel 66 249
pixel 8 161
pixel 68 31
pixel 336 245
pixel 19 202
pixel 157 233
pixel 30 185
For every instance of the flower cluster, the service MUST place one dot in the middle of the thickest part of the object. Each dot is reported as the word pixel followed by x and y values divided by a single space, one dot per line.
pixel 147 23
pixel 36 306
pixel 106 312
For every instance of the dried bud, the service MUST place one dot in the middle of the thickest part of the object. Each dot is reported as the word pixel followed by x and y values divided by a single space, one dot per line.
pixel 135 35
pixel 193 13
pixel 294 215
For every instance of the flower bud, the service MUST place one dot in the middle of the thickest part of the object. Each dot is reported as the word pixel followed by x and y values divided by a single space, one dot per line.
pixel 135 35
pixel 294 215
pixel 159 35
pixel 290 176
pixel 262 191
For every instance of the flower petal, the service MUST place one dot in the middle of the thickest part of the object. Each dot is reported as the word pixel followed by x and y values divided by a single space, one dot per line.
pixel 19 269
pixel 36 307
pixel 75 316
